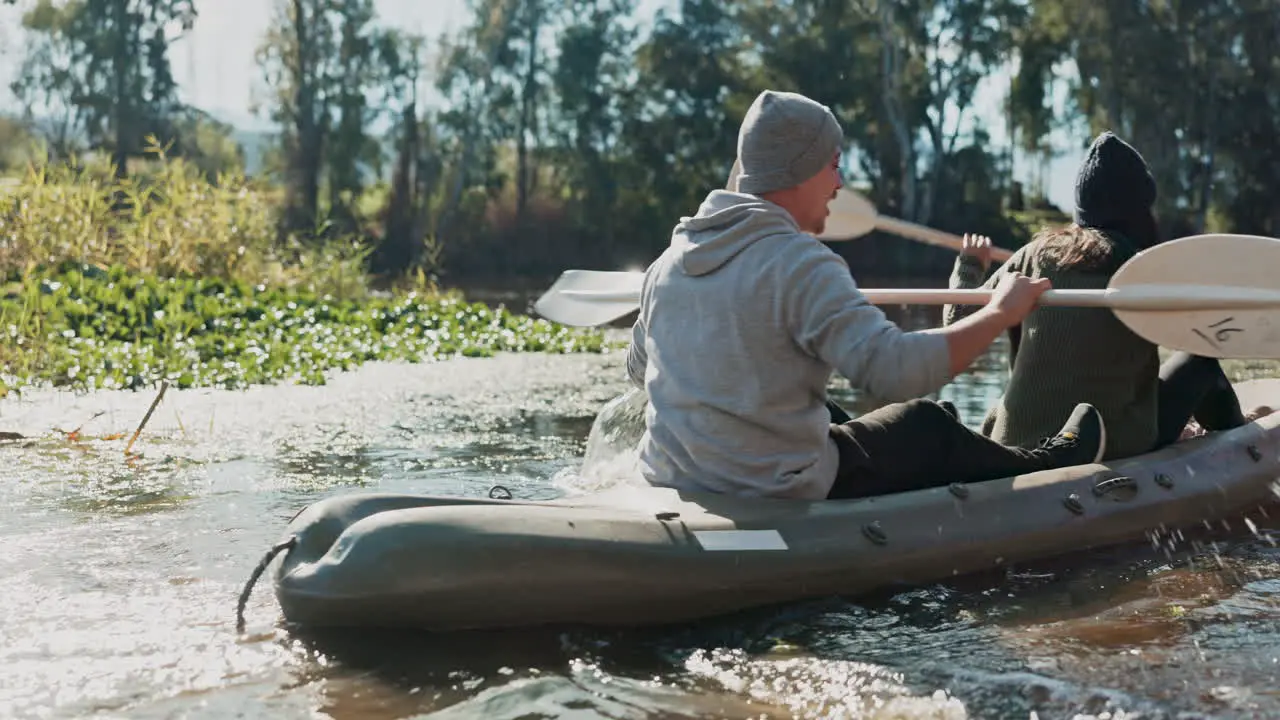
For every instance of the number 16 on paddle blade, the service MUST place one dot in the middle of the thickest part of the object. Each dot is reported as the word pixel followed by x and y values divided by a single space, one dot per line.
pixel 1228 261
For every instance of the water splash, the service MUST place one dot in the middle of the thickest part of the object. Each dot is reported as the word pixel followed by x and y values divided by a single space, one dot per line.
pixel 610 457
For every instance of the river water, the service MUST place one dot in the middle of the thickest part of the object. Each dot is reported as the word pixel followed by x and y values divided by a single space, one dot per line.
pixel 119 578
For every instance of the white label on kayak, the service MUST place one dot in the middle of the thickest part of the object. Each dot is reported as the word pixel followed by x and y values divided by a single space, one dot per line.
pixel 740 540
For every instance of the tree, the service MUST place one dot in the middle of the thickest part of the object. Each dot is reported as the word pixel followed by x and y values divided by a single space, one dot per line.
pixel 467 81
pixel 297 58
pixel 679 124
pixel 407 219
pixel 590 83
pixel 103 67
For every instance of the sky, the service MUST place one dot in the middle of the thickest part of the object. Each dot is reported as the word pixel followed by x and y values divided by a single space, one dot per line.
pixel 215 68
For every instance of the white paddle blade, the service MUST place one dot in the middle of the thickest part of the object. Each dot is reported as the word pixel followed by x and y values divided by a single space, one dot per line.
pixel 587 298
pixel 1227 262
pixel 851 216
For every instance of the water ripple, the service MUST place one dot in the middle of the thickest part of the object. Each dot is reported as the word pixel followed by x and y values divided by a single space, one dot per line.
pixel 120 575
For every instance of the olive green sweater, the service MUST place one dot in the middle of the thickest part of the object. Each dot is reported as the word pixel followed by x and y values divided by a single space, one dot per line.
pixel 1066 355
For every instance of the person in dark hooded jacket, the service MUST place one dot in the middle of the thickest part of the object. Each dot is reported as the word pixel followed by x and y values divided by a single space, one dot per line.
pixel 1064 355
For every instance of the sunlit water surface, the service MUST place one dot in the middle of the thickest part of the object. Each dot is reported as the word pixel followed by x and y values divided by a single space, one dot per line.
pixel 119 577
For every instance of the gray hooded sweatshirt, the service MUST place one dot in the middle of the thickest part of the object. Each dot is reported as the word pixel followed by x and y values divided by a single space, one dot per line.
pixel 742 321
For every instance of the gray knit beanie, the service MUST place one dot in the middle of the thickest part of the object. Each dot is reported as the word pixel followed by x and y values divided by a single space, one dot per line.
pixel 785 139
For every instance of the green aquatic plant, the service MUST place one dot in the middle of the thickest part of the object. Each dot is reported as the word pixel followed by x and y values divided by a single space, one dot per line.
pixel 109 283
pixel 86 327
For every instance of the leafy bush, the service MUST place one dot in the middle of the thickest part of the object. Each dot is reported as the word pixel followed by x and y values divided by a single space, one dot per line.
pixel 168 221
pixel 86 327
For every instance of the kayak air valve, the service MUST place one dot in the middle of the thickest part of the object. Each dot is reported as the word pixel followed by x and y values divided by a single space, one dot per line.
pixel 875 533
pixel 1073 504
pixel 1164 481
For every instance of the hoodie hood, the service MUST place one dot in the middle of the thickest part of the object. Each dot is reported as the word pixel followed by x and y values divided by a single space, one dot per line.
pixel 726 224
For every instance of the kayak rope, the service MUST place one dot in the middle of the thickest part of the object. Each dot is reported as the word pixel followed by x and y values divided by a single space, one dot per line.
pixel 257 573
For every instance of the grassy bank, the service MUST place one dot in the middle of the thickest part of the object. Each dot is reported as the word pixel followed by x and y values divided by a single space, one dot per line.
pixel 189 282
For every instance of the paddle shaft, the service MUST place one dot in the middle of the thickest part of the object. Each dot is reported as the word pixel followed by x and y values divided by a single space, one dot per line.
pixel 1215 295
pixel 1170 298
pixel 930 236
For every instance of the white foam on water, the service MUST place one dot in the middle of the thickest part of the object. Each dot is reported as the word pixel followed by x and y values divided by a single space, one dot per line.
pixel 822 688
pixel 611 456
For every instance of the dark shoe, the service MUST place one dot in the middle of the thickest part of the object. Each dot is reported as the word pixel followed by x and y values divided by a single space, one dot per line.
pixel 1081 441
pixel 950 407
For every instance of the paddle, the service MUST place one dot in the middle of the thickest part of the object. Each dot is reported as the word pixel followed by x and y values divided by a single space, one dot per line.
pixel 1213 295
pixel 852 215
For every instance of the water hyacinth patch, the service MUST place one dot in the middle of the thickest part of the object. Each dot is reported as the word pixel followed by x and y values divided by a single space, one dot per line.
pixel 85 327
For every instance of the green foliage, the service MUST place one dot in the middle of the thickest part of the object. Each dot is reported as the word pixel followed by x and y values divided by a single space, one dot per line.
pixel 85 327
pixel 206 143
pixel 102 67
pixel 169 220
pixel 1193 86
pixel 568 134
pixel 20 146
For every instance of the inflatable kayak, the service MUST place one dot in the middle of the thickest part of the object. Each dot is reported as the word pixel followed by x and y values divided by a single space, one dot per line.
pixel 640 555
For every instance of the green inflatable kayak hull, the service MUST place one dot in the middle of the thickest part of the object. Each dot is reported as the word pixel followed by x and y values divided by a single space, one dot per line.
pixel 634 556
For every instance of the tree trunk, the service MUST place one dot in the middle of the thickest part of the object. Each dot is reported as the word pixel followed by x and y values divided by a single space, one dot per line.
pixel 528 119
pixel 1208 148
pixel 120 67
pixel 469 139
pixel 305 163
pixel 890 69
pixel 399 247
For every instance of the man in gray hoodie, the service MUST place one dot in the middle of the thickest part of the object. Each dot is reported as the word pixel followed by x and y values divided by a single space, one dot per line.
pixel 746 315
